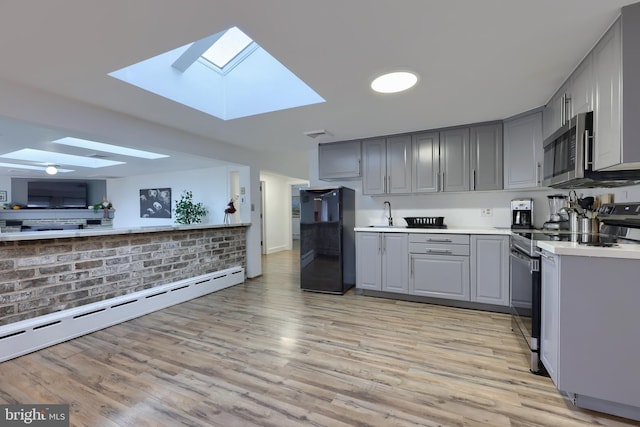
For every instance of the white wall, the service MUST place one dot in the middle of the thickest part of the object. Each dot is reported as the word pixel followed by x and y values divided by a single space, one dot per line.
pixel 209 186
pixel 277 215
pixel 459 209
pixel 88 121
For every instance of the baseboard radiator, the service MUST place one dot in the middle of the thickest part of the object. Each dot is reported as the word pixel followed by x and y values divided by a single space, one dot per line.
pixel 34 334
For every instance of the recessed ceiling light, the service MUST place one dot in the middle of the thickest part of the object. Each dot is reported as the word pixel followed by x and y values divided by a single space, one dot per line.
pixel 100 146
pixel 397 81
pixel 51 170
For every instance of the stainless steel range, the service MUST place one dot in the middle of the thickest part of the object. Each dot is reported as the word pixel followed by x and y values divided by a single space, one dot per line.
pixel 526 289
pixel 619 223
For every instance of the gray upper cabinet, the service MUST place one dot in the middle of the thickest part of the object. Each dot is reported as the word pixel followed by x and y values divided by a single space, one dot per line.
pixel 575 96
pixel 454 159
pixel 374 170
pixel 607 65
pixel 339 160
pixel 597 85
pixel 426 162
pixel 581 83
pixel 387 165
pixel 523 152
pixel 486 153
pixel 399 164
pixel 556 113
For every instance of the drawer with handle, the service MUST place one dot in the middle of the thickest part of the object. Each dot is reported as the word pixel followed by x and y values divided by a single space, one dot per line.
pixel 438 249
pixel 437 239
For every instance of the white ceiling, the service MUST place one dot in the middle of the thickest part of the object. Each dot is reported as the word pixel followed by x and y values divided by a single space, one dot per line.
pixel 477 61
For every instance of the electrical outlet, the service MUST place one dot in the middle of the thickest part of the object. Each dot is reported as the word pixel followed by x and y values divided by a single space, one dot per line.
pixel 486 212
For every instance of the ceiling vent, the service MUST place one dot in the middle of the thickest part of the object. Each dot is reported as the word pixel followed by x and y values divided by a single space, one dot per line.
pixel 317 133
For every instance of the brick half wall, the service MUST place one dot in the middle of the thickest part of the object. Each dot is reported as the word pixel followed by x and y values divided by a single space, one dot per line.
pixel 38 277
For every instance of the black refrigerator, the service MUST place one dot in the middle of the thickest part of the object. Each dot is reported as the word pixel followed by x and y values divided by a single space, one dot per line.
pixel 327 239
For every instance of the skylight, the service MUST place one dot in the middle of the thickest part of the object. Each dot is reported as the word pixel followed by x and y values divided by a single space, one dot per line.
pixel 108 148
pixel 50 157
pixel 226 82
pixel 227 47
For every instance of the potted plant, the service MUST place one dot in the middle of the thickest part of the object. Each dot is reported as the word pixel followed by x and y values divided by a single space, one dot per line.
pixel 106 206
pixel 188 212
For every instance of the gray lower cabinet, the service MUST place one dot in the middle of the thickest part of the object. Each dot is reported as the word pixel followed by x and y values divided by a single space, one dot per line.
pixel 486 157
pixel 439 266
pixel 590 336
pixel 550 315
pixel 490 269
pixel 523 151
pixel 339 160
pixel 381 262
pixel 369 261
pixel 440 276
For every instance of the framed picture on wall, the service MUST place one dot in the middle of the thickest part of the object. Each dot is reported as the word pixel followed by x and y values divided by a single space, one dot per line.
pixel 3 196
pixel 155 203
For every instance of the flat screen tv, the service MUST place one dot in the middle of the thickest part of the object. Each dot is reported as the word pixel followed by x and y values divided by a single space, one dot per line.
pixel 56 194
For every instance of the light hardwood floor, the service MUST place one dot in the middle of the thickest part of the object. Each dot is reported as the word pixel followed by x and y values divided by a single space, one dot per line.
pixel 265 353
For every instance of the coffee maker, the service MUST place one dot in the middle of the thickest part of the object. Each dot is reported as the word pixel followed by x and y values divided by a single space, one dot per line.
pixel 522 213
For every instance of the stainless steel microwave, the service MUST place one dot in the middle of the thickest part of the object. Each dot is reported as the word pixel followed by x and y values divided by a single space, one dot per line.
pixel 568 159
pixel 567 152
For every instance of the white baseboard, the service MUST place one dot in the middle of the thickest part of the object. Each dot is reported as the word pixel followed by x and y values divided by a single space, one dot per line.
pixel 274 249
pixel 34 334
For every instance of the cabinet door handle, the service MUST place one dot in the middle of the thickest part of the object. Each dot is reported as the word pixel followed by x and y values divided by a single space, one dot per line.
pixel 359 167
pixel 384 244
pixel 379 243
pixel 411 262
pixel 474 180
pixel 389 187
pixel 538 166
pixel 439 240
pixel 438 251
pixel 562 110
pixel 443 181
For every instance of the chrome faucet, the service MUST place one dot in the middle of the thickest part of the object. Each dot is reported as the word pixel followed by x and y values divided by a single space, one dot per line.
pixel 390 219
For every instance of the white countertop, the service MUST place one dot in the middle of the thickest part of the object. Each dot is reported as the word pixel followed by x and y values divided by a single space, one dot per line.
pixel 620 250
pixel 449 230
pixel 106 231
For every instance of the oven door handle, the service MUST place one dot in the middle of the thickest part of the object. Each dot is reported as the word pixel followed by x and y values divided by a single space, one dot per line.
pixel 547 257
pixel 534 263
